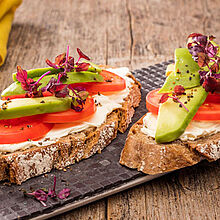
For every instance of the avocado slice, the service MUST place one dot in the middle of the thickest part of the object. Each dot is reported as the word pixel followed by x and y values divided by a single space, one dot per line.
pixel 17 108
pixel 185 73
pixel 73 77
pixel 33 73
pixel 172 119
pixel 37 72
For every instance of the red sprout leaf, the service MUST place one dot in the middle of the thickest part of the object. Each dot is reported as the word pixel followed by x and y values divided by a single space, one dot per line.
pixel 210 84
pixel 49 63
pixel 215 67
pixel 82 55
pixel 52 192
pixel 62 91
pixel 211 50
pixel 203 59
pixel 179 90
pixel 21 75
pixel 60 59
pixel 64 193
pixel 39 195
pixel 211 37
pixel 194 35
pixel 82 67
pixel 164 98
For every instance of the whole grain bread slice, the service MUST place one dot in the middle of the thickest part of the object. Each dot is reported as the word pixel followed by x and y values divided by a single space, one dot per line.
pixel 143 153
pixel 19 166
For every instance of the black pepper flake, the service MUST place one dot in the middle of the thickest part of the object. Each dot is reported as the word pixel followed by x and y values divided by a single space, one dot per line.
pixel 29 126
pixel 8 99
pixel 186 65
pixel 191 96
pixel 180 106
pixel 94 78
pixel 185 102
pixel 40 143
pixel 187 71
pixel 108 80
pixel 194 75
pixel 22 128
pixel 42 101
pixel 28 139
pixel 99 93
pixel 190 78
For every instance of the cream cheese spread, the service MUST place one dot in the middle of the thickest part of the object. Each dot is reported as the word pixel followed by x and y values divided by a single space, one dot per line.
pixel 106 105
pixel 194 131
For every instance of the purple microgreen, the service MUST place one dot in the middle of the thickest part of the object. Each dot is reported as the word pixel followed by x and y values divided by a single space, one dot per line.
pixel 42 77
pixel 164 98
pixel 210 84
pixel 64 193
pixel 177 91
pixel 28 84
pixel 205 53
pixel 39 195
pixel 21 75
pixel 215 67
pixel 52 192
pixel 78 99
pixel 203 59
pixel 49 63
pixel 81 55
pixel 82 67
pixel 42 194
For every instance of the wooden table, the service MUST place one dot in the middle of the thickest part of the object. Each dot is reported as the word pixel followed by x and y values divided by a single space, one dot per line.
pixel 134 33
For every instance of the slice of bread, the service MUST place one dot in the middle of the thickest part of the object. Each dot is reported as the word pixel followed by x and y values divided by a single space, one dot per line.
pixel 20 165
pixel 143 153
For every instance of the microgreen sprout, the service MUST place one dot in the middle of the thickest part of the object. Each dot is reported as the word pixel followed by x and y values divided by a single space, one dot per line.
pixel 206 54
pixel 42 194
pixel 178 90
pixel 65 63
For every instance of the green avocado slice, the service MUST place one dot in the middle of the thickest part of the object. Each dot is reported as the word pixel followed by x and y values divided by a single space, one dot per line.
pixel 172 119
pixel 37 72
pixel 185 74
pixel 73 77
pixel 33 73
pixel 17 108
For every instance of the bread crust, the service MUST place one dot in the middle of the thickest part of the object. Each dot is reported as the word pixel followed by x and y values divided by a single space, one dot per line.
pixel 143 153
pixel 19 166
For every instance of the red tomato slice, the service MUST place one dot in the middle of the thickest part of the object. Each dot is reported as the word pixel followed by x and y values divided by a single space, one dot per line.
pixel 23 96
pixel 71 116
pixel 22 129
pixel 209 111
pixel 112 83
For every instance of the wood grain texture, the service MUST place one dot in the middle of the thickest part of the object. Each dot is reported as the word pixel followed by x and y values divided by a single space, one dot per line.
pixel 134 33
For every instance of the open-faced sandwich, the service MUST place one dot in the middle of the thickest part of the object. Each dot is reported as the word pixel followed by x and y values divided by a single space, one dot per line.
pixel 56 116
pixel 182 126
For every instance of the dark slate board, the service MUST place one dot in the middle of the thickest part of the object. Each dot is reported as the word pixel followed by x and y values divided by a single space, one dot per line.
pixel 91 178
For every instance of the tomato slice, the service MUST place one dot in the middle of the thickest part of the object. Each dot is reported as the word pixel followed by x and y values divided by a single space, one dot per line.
pixel 23 96
pixel 209 111
pixel 112 83
pixel 18 130
pixel 71 116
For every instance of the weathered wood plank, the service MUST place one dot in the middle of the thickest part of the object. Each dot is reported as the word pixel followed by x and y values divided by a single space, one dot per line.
pixel 92 211
pixel 123 33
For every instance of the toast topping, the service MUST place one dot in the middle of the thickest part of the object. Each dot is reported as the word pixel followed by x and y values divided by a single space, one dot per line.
pixel 105 105
pixel 194 131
